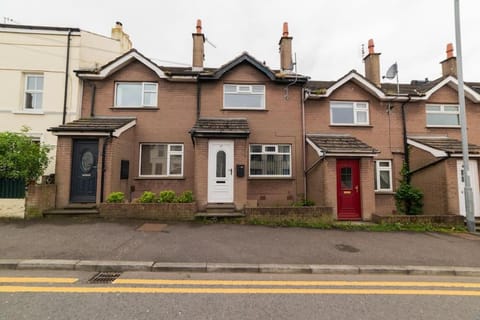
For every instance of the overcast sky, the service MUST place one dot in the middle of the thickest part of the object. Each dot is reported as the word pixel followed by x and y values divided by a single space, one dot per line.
pixel 327 35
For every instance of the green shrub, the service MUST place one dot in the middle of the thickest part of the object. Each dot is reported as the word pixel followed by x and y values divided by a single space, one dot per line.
pixel 185 197
pixel 147 197
pixel 116 197
pixel 166 196
pixel 408 199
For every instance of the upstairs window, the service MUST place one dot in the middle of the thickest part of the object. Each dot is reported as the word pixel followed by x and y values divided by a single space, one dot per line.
pixel 349 113
pixel 270 160
pixel 442 115
pixel 240 96
pixel 161 160
pixel 383 175
pixel 33 92
pixel 136 94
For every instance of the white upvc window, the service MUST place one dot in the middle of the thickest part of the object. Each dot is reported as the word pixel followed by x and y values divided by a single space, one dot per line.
pixel 161 160
pixel 349 113
pixel 383 175
pixel 270 160
pixel 33 92
pixel 243 96
pixel 136 94
pixel 441 115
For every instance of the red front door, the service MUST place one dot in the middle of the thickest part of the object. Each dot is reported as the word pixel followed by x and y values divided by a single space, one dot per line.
pixel 348 190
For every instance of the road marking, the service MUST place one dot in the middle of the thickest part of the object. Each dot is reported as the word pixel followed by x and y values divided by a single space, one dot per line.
pixel 298 283
pixel 24 289
pixel 36 280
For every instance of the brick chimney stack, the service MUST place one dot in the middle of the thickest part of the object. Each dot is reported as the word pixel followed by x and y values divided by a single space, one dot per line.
pixel 372 64
pixel 198 48
pixel 449 65
pixel 285 43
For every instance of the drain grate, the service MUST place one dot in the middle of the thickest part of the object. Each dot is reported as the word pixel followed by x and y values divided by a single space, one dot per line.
pixel 104 277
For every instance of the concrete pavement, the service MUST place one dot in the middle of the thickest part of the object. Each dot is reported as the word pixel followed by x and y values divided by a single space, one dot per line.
pixel 99 245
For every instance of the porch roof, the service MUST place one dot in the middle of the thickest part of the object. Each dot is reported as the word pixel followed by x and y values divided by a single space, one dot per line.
pixel 98 126
pixel 340 145
pixel 442 146
pixel 221 128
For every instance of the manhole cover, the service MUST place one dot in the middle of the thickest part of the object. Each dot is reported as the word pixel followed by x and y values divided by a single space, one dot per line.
pixel 346 248
pixel 152 227
pixel 104 277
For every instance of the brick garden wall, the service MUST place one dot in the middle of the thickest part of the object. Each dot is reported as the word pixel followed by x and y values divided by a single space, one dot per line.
pixel 154 211
pixel 40 197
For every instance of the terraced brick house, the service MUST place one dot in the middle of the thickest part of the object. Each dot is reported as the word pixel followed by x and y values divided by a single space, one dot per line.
pixel 245 135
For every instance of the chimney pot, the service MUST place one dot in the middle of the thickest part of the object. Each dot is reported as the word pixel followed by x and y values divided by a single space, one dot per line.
pixel 199 26
pixel 449 50
pixel 371 46
pixel 285 29
pixel 118 24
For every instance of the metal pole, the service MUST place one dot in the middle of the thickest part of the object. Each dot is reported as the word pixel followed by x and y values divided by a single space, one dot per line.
pixel 463 123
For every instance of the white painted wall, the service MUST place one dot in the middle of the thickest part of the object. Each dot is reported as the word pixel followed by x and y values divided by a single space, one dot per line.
pixel 12 208
pixel 44 51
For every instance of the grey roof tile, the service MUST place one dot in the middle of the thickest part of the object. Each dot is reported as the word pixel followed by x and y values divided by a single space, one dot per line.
pixel 445 144
pixel 338 144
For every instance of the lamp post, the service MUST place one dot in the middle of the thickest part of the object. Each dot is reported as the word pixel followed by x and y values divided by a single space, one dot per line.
pixel 463 124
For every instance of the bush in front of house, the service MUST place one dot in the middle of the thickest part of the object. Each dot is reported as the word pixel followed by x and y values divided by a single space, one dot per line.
pixel 185 197
pixel 147 197
pixel 116 197
pixel 166 196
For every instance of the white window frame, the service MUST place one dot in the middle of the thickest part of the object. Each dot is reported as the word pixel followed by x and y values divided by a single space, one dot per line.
pixel 33 91
pixel 143 104
pixel 169 154
pixel 242 89
pixel 270 149
pixel 442 111
pixel 355 109
pixel 378 169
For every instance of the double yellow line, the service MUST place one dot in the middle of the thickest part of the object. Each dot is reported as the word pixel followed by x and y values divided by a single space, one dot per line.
pixel 248 287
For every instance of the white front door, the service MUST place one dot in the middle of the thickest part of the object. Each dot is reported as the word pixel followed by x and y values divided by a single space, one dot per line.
pixel 472 165
pixel 220 171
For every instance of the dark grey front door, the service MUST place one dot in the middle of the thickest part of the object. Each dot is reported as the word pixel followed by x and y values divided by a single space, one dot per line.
pixel 84 171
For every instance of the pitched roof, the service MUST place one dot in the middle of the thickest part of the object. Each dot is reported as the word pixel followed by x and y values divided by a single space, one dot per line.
pixel 221 127
pixel 98 126
pixel 441 146
pixel 336 144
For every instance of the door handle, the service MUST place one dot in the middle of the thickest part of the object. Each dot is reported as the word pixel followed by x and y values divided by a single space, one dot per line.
pixel 356 189
pixel 231 171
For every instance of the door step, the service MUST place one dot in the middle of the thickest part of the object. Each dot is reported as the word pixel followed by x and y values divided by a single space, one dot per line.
pixel 71 211
pixel 219 214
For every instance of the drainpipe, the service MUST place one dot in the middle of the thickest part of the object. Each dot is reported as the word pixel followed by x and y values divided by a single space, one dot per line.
pixel 199 96
pixel 104 152
pixel 92 101
pixel 67 63
pixel 405 144
pixel 304 140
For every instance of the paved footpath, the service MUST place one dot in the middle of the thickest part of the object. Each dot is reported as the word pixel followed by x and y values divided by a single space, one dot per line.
pixel 96 244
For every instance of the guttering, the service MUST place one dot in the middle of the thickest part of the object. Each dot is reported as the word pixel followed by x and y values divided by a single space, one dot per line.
pixel 67 64
pixel 405 140
pixel 92 101
pixel 102 176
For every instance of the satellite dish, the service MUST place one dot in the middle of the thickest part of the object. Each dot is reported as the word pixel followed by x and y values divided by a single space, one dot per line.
pixel 392 71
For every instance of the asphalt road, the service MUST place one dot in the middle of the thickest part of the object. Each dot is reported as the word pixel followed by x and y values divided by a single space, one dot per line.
pixel 408 297
pixel 94 239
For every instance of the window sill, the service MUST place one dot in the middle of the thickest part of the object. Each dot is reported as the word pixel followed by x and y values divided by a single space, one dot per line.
pixel 271 178
pixel 160 178
pixel 244 109
pixel 390 193
pixel 28 112
pixel 352 125
pixel 443 127
pixel 135 108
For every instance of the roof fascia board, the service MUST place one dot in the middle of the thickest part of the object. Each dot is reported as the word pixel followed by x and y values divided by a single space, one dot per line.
pixel 121 62
pixel 121 130
pixel 472 94
pixel 363 82
pixel 244 57
pixel 315 147
pixel 362 155
pixel 81 133
pixel 434 152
